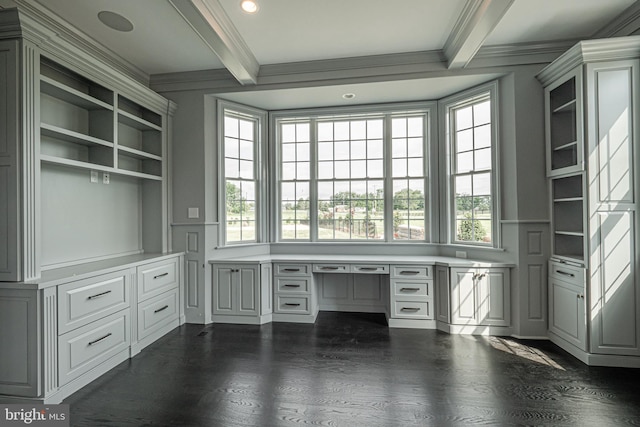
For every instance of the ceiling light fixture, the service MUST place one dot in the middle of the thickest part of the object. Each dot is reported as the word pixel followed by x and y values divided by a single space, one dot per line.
pixel 115 21
pixel 249 6
pixel 349 95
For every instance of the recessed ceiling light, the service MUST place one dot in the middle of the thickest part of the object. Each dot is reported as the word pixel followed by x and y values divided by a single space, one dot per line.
pixel 249 6
pixel 115 21
pixel 349 95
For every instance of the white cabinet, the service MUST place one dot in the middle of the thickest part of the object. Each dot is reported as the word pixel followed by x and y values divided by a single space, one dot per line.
pixel 595 205
pixel 294 293
pixel 81 321
pixel 242 293
pixel 480 296
pixel 567 304
pixel 411 297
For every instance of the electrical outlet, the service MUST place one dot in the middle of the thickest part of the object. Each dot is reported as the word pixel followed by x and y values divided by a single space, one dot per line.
pixel 461 254
pixel 94 177
pixel 105 178
pixel 193 213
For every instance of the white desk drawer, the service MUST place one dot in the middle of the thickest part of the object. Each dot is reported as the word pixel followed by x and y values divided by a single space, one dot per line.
pixel 331 268
pixel 156 278
pixel 290 304
pixel 292 285
pixel 412 271
pixel 157 312
pixel 412 309
pixel 568 273
pixel 85 301
pixel 405 288
pixel 85 348
pixel 370 268
pixel 293 269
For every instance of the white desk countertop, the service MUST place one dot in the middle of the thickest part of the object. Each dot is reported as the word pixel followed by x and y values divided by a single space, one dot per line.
pixel 362 259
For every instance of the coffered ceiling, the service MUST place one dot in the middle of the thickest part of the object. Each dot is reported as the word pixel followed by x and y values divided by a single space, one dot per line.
pixel 177 36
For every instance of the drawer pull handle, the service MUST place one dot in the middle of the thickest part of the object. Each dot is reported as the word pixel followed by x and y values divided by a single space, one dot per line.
pixel 329 268
pixel 292 304
pixel 409 309
pixel 100 339
pixel 289 285
pixel 564 273
pixel 101 294
pixel 409 289
pixel 368 268
pixel 291 270
pixel 409 272
pixel 160 309
pixel 160 275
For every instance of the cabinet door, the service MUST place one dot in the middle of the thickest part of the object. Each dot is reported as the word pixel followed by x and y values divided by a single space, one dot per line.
pixel 464 298
pixel 567 312
pixel 494 296
pixel 614 296
pixel 223 289
pixel 564 134
pixel 442 294
pixel 247 287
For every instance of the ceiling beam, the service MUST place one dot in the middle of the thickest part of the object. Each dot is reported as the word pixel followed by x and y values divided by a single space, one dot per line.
pixel 477 20
pixel 210 22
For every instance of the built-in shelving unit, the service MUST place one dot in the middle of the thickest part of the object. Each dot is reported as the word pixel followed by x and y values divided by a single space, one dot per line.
pixel 563 128
pixel 568 218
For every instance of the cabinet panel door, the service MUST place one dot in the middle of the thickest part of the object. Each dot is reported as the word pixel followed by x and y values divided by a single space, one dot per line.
pixel 248 295
pixel 442 294
pixel 464 303
pixel 494 297
pixel 567 312
pixel 223 290
pixel 614 288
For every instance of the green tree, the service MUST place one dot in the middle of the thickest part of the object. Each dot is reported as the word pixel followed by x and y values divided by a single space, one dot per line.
pixel 470 230
pixel 235 202
pixel 407 199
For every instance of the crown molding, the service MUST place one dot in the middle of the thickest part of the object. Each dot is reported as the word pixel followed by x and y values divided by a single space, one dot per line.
pixel 50 28
pixel 591 51
pixel 625 24
pixel 210 22
pixel 476 21
pixel 520 53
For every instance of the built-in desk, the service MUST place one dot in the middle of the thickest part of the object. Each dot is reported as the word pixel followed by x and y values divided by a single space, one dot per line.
pixel 453 294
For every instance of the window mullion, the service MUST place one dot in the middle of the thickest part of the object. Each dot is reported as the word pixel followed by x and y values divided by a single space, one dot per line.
pixel 388 179
pixel 313 181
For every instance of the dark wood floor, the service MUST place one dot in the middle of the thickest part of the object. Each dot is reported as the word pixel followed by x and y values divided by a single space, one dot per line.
pixel 351 370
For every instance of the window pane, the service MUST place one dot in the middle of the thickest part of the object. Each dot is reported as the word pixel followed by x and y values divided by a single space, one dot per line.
pixel 358 130
pixel 325 151
pixel 464 118
pixel 288 191
pixel 415 147
pixel 358 150
pixel 374 129
pixel 303 170
pixel 415 167
pixel 288 152
pixel 246 149
pixel 463 185
pixel 302 132
pixel 482 159
pixel 399 167
pixel 464 140
pixel 232 168
pixel 359 169
pixel 375 169
pixel 482 184
pixel 341 150
pixel 374 149
pixel 325 131
pixel 325 170
pixel 399 148
pixel 246 169
pixel 231 127
pixel 288 171
pixel 341 131
pixel 464 162
pixel 302 151
pixel 399 128
pixel 482 136
pixel 288 133
pixel 415 126
pixel 482 113
pixel 246 130
pixel 342 169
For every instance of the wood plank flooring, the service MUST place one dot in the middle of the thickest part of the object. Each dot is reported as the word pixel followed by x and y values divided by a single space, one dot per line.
pixel 350 370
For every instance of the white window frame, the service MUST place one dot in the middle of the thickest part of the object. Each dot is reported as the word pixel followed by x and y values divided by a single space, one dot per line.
pixel 387 111
pixel 446 106
pixel 260 173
